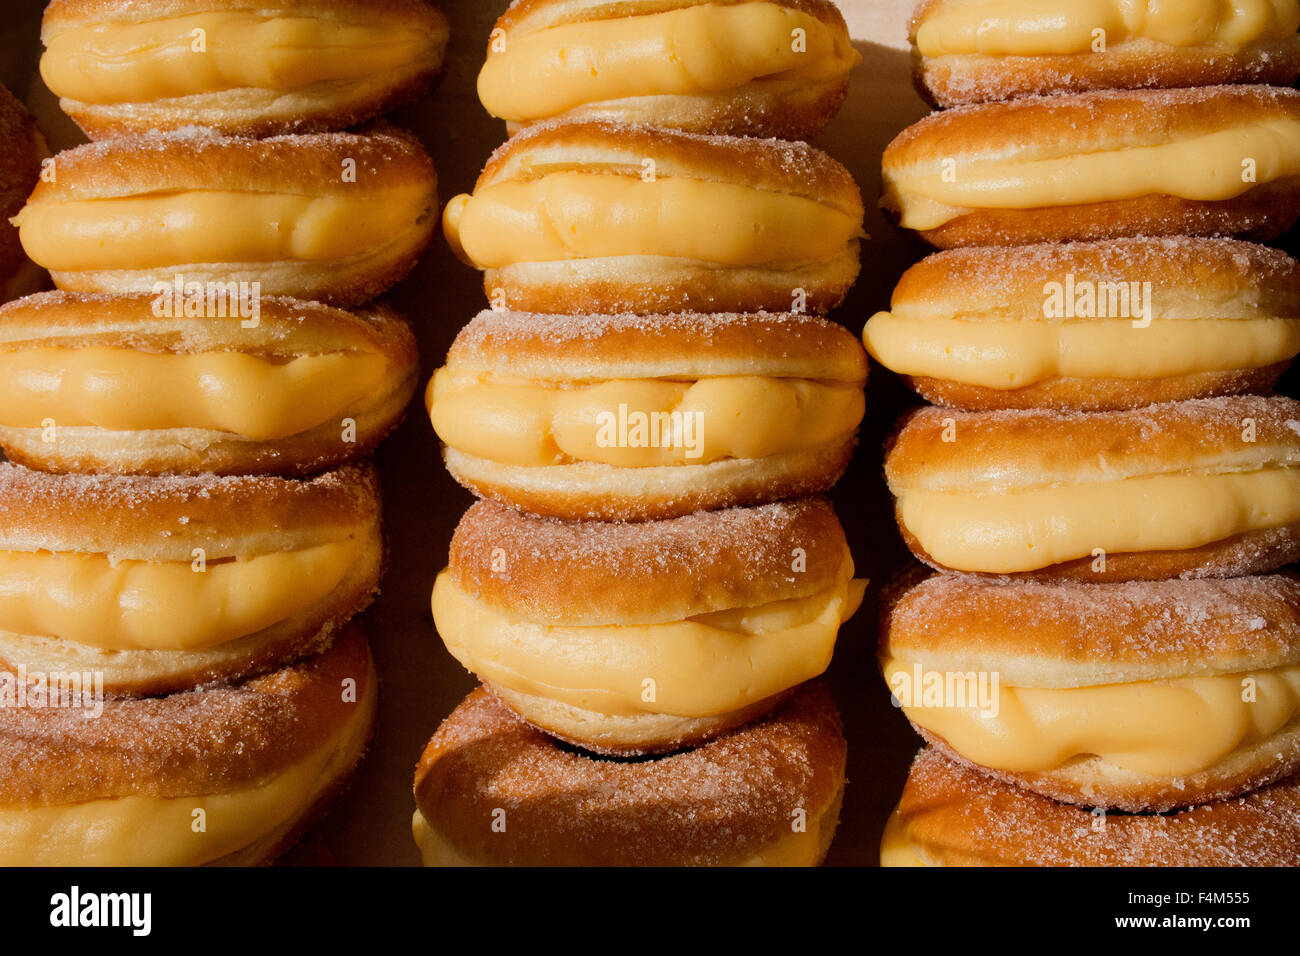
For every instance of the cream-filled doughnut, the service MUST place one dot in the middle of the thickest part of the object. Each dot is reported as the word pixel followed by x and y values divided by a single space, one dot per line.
pixel 618 417
pixel 338 217
pixel 951 815
pixel 1212 161
pixel 225 775
pixel 767 794
pixel 642 638
pixel 105 383
pixel 743 67
pixel 1203 488
pixel 976 51
pixel 1093 326
pixel 597 217
pixel 1139 695
pixel 21 150
pixel 157 584
pixel 238 66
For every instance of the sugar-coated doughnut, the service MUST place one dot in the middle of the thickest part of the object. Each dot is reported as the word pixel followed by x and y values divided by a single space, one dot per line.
pixel 1139 695
pixel 21 149
pixel 1094 326
pixel 976 51
pixel 951 815
pixel 224 775
pixel 105 383
pixel 618 417
pixel 743 67
pixel 492 791
pixel 1212 161
pixel 597 217
pixel 638 638
pixel 1203 488
pixel 276 66
pixel 338 217
pixel 161 583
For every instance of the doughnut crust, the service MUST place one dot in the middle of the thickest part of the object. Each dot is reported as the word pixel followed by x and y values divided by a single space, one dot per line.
pixel 774 354
pixel 165 522
pixel 285 330
pixel 986 140
pixel 385 167
pixel 21 149
pixel 994 290
pixel 205 743
pixel 1064 635
pixel 951 815
pixel 591 609
pixel 989 455
pixel 721 804
pixel 785 104
pixel 1129 62
pixel 647 284
pixel 279 105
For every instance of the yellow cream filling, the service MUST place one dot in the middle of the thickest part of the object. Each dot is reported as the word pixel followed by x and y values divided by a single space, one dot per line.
pixel 122 390
pixel 691 51
pixel 142 605
pixel 699 667
pixel 895 848
pixel 133 63
pixel 1166 728
pixel 1207 167
pixel 1015 354
pixel 792 849
pixel 161 831
pixel 213 226
pixel 1037 528
pixel 577 215
pixel 1063 27
pixel 640 422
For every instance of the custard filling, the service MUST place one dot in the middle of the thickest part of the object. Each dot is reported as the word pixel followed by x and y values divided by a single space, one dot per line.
pixel 581 215
pixel 174 606
pixel 635 423
pixel 694 50
pixel 167 831
pixel 1166 728
pixel 703 666
pixel 1016 353
pixel 122 390
pixel 215 226
pixel 1039 527
pixel 1212 167
pixel 141 62
pixel 1065 27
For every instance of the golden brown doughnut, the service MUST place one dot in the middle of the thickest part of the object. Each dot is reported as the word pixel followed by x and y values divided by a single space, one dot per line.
pixel 953 816
pixel 161 583
pixel 251 69
pixel 104 383
pixel 596 217
pixel 976 51
pixel 1203 488
pixel 338 217
pixel 21 149
pixel 1095 326
pixel 223 775
pixel 642 638
pixel 1213 161
pixel 743 67
pixel 1144 695
pixel 492 791
pixel 627 417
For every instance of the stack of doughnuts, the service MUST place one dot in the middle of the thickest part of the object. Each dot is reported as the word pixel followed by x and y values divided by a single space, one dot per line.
pixel 649 411
pixel 1105 491
pixel 188 521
